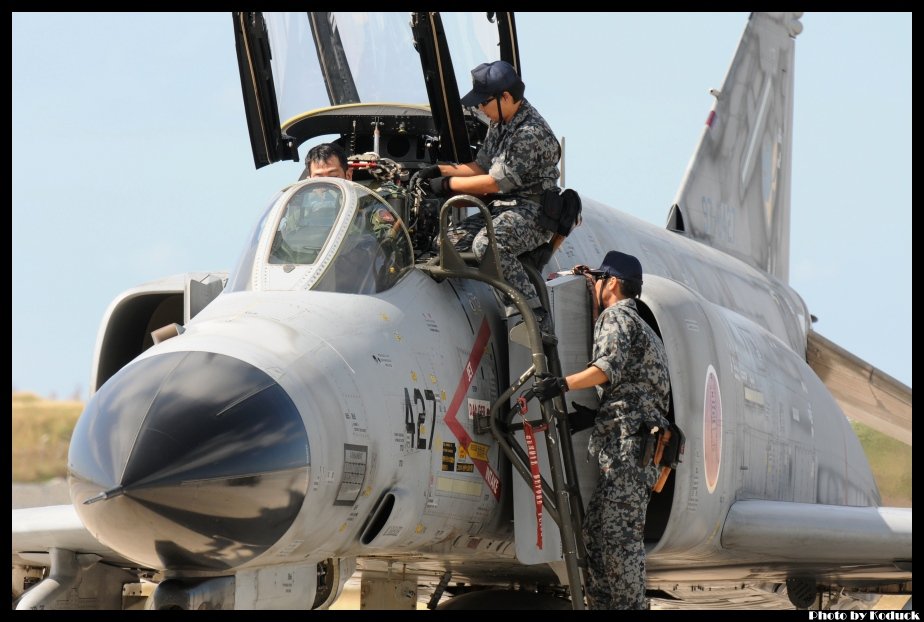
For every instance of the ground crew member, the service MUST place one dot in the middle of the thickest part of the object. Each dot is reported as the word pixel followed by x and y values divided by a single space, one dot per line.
pixel 630 364
pixel 516 163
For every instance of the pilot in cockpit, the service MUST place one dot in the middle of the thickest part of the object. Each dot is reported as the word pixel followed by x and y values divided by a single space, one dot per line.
pixel 326 160
pixel 368 256
pixel 306 225
pixel 318 207
pixel 329 160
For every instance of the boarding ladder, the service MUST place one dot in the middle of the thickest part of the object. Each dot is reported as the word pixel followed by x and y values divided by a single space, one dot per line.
pixel 561 498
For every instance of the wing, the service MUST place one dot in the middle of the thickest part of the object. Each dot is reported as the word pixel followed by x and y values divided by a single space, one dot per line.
pixel 851 544
pixel 864 393
pixel 38 530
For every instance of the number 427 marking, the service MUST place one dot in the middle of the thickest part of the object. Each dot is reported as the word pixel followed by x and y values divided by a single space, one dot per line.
pixel 415 423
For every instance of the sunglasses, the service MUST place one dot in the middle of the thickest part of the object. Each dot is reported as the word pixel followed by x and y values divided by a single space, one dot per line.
pixel 486 102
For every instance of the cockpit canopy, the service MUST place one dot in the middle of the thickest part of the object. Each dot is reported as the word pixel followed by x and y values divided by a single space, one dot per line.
pixel 371 78
pixel 306 224
pixel 326 234
pixel 383 83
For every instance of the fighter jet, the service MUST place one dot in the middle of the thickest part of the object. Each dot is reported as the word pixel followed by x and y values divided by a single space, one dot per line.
pixel 352 397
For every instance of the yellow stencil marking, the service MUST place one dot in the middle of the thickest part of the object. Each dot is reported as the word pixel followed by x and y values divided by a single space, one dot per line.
pixel 478 451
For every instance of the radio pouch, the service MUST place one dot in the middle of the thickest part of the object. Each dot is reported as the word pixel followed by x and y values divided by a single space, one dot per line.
pixel 559 211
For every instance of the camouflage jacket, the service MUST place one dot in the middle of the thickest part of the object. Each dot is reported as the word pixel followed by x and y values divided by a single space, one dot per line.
pixel 521 154
pixel 632 356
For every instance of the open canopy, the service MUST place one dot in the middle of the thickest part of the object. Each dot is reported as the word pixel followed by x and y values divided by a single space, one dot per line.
pixel 375 79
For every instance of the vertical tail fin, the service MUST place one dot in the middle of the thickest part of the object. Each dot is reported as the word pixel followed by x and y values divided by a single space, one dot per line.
pixel 735 194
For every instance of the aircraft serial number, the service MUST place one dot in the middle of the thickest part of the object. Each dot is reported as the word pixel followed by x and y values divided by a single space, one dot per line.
pixel 416 422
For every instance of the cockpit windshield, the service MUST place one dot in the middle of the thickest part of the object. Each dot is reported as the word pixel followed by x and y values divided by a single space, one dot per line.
pixel 373 254
pixel 306 224
pixel 327 234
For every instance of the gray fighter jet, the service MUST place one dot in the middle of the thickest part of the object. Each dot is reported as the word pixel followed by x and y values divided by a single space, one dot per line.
pixel 346 398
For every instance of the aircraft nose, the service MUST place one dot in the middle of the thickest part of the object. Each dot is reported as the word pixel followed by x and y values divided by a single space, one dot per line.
pixel 189 460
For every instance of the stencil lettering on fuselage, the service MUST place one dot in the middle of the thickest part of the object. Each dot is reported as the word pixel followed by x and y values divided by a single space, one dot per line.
pixel 354 474
pixel 712 429
pixel 452 422
pixel 478 408
pixel 419 418
pixel 449 456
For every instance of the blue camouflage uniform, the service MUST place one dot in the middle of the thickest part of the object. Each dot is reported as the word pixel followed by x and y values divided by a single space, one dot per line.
pixel 522 156
pixel 632 356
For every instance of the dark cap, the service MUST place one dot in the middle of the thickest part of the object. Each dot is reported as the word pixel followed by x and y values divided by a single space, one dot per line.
pixel 490 79
pixel 621 266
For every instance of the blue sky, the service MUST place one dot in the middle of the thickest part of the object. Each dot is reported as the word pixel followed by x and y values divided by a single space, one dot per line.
pixel 131 159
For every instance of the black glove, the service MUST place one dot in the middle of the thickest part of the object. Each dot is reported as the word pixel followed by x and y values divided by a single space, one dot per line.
pixel 439 186
pixel 429 172
pixel 548 387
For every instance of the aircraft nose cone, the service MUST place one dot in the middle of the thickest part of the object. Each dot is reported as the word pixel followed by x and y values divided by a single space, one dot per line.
pixel 189 460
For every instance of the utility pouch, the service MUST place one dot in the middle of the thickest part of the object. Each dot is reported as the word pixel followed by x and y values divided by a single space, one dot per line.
pixel 649 444
pixel 559 211
pixel 670 447
pixel 663 439
pixel 671 444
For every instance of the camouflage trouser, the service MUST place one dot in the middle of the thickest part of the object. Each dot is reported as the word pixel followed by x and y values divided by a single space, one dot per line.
pixel 614 532
pixel 516 230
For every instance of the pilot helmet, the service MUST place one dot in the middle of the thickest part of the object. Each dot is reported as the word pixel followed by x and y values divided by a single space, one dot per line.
pixel 382 219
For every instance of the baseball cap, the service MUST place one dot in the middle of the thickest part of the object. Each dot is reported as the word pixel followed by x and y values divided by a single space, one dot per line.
pixel 490 79
pixel 620 265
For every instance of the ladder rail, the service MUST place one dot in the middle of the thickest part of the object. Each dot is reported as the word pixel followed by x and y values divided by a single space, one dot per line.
pixel 569 459
pixel 562 494
pixel 515 453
